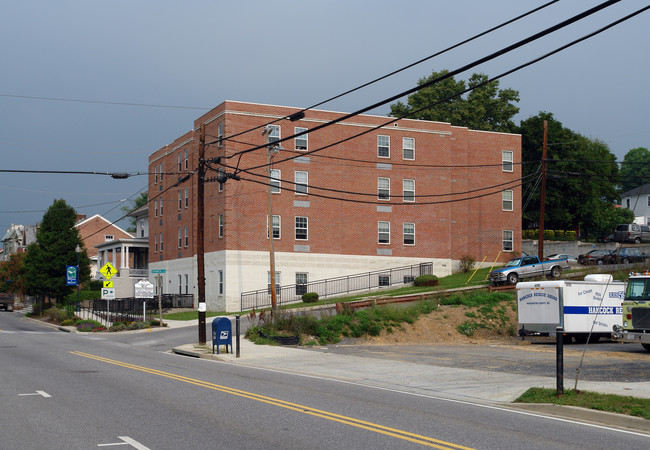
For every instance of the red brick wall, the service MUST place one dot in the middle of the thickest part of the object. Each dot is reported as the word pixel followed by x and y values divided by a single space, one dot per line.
pixel 94 232
pixel 446 226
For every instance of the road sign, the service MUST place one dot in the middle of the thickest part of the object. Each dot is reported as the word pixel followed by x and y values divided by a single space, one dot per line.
pixel 108 284
pixel 158 270
pixel 143 289
pixel 108 270
pixel 108 294
pixel 71 275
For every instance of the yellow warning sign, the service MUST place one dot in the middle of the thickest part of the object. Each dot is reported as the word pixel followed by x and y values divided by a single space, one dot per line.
pixel 108 284
pixel 108 270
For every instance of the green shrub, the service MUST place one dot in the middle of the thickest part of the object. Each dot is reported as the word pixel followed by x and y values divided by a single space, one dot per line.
pixel 310 297
pixel 117 326
pixel 67 322
pixel 426 280
pixel 468 328
pixel 89 326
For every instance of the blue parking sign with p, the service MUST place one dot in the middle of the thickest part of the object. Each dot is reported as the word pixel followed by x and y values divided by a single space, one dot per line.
pixel 71 276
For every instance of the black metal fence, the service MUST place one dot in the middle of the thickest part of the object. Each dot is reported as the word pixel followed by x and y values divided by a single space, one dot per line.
pixel 131 309
pixel 335 286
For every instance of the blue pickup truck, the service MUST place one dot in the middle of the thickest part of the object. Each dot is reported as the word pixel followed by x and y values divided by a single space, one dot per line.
pixel 527 267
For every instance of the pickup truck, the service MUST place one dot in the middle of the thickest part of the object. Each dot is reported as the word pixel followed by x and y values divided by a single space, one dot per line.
pixel 527 267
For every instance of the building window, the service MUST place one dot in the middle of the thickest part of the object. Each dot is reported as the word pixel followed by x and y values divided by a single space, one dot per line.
pixel 274 135
pixel 180 237
pixel 108 237
pixel 301 228
pixel 187 236
pixel 276 227
pixel 180 162
pixel 161 172
pixel 383 146
pixel 408 148
pixel 155 239
pixel 161 241
pixel 180 283
pixel 220 134
pixel 187 284
pixel 221 184
pixel 627 203
pixel 180 199
pixel 161 207
pixel 277 282
pixel 300 141
pixel 409 233
pixel 155 208
pixel 186 163
pixel 384 280
pixel 383 229
pixel 408 190
pixel 383 188
pixel 302 179
pixel 507 161
pixel 506 200
pixel 301 283
pixel 220 225
pixel 187 198
pixel 155 174
pixel 221 282
pixel 648 200
pixel 275 181
pixel 508 240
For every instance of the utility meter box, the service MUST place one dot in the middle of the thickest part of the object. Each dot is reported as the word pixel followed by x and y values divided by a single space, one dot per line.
pixel 221 333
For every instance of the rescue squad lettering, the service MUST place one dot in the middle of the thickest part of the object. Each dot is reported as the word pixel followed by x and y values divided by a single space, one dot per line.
pixel 534 295
pixel 600 310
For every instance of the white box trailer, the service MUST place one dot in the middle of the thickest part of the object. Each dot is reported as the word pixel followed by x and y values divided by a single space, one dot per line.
pixel 580 307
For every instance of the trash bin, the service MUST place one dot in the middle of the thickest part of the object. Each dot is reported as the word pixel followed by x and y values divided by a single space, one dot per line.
pixel 221 333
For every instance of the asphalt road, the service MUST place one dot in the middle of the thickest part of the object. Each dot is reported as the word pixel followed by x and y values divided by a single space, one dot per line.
pixel 78 391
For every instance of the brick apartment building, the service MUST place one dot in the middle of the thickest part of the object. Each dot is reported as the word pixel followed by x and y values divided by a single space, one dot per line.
pixel 96 230
pixel 403 193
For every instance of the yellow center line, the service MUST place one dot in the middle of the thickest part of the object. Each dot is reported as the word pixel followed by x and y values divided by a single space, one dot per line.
pixel 388 431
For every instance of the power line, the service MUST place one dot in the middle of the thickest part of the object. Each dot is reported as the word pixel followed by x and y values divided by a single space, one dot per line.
pixel 76 100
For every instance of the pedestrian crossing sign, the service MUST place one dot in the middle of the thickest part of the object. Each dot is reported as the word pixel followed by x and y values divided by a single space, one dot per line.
pixel 108 270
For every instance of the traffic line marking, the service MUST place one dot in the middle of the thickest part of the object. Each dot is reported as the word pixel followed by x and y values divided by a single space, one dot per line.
pixel 126 441
pixel 369 426
pixel 41 393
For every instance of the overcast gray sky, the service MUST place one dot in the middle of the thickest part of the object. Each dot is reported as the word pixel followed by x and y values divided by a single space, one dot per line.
pixel 295 53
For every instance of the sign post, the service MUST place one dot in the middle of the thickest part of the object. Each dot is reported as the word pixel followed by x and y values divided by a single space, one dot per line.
pixel 159 277
pixel 144 290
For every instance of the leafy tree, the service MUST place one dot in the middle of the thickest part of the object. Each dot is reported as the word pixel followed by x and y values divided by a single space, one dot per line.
pixel 485 108
pixel 582 176
pixel 139 201
pixel 635 170
pixel 12 274
pixel 54 249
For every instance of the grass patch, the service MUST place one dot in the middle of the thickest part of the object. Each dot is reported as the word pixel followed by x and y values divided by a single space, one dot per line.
pixel 632 406
pixel 190 315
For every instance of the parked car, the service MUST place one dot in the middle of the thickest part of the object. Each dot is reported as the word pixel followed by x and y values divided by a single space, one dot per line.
pixel 632 232
pixel 564 256
pixel 595 256
pixel 625 255
pixel 605 238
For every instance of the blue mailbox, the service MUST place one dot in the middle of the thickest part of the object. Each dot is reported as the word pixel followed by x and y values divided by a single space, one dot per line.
pixel 221 333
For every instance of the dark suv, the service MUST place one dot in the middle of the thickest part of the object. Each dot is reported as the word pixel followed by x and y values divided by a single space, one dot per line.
pixel 594 257
pixel 625 255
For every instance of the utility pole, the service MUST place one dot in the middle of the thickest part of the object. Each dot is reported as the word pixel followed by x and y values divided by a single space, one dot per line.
pixel 271 150
pixel 200 257
pixel 542 198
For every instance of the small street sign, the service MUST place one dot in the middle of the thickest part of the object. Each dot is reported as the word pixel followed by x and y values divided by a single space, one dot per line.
pixel 158 270
pixel 108 284
pixel 108 294
pixel 71 275
pixel 143 289
pixel 108 270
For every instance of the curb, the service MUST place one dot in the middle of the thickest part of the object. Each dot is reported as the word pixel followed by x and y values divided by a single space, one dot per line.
pixel 586 415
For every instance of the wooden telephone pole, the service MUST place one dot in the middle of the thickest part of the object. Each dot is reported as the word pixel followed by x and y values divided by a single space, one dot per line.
pixel 542 198
pixel 200 257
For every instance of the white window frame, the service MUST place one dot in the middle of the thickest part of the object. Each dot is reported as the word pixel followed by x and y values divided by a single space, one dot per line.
pixel 276 181
pixel 180 283
pixel 221 225
pixel 161 207
pixel 220 281
pixel 161 241
pixel 507 204
pixel 155 208
pixel 109 237
pixel 383 146
pixel 302 279
pixel 301 185
pixel 220 134
pixel 187 236
pixel 161 171
pixel 187 198
pixel 383 188
pixel 180 163
pixel 186 161
pixel 278 226
pixel 187 284
pixel 180 238
pixel 155 174
pixel 303 220
pixel 180 199
pixel 383 228
pixel 275 134
pixel 408 144
pixel 301 143
pixel 408 232
pixel 408 195
pixel 155 239
pixel 507 161
pixel 508 240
